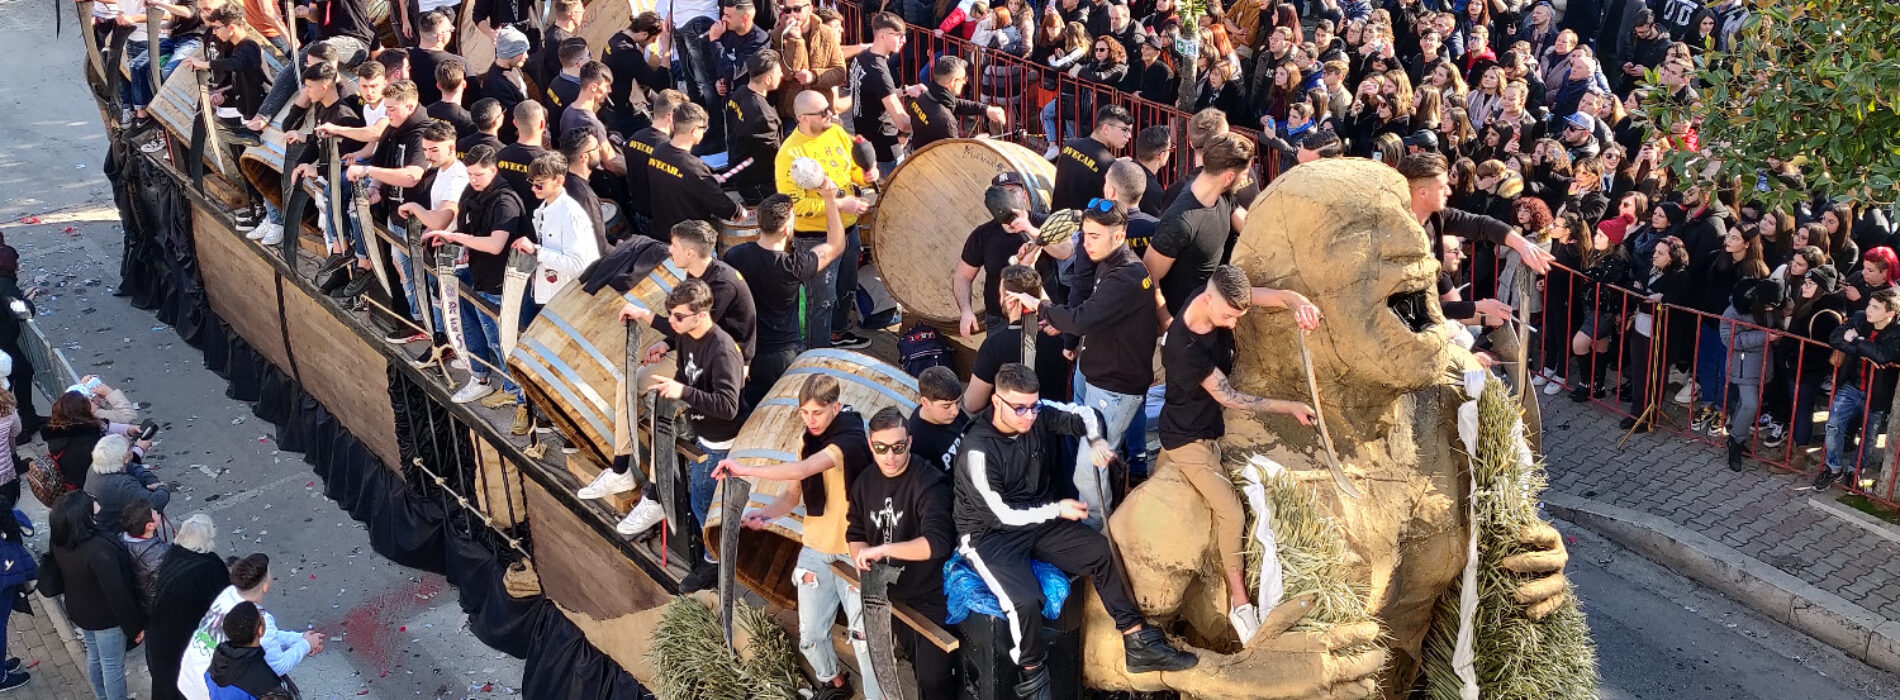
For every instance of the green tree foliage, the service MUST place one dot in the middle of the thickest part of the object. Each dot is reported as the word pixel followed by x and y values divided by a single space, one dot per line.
pixel 1810 80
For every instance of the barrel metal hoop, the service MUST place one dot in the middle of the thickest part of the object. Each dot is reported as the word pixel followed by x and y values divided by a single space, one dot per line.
pixel 902 400
pixel 533 364
pixel 583 341
pixel 866 362
pixel 567 372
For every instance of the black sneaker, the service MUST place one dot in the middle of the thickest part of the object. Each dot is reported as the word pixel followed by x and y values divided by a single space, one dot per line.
pixel 850 341
pixel 827 691
pixel 13 664
pixel 1772 435
pixel 358 284
pixel 336 261
pixel 14 680
pixel 704 577
pixel 1824 479
pixel 1149 650
pixel 1581 393
pixel 1629 423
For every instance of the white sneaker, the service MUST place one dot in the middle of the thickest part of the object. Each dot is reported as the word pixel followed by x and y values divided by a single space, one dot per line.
pixel 1541 378
pixel 1687 395
pixel 1246 621
pixel 472 391
pixel 609 483
pixel 646 514
pixel 273 236
pixel 1050 155
pixel 1553 386
pixel 1677 376
pixel 259 231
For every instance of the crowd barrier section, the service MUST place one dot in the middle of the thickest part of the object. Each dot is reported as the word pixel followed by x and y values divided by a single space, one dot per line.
pixel 1686 345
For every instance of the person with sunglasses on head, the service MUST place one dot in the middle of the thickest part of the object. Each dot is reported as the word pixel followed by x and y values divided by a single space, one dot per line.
pixel 818 138
pixel 900 514
pixel 1118 330
pixel 833 453
pixel 1013 505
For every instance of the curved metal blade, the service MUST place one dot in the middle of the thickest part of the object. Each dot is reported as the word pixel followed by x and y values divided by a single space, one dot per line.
pixel 1319 417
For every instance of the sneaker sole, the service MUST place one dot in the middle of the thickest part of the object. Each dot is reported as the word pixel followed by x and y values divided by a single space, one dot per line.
pixel 472 399
pixel 1191 663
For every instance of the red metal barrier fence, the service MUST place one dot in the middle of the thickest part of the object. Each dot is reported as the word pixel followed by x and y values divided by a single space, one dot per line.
pixel 1794 385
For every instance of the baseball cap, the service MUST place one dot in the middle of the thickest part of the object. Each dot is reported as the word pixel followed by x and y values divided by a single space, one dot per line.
pixel 510 42
pixel 1008 178
pixel 1423 138
pixel 1582 121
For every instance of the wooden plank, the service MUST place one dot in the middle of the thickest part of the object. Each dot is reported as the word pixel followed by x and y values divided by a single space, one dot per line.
pixel 240 285
pixel 343 372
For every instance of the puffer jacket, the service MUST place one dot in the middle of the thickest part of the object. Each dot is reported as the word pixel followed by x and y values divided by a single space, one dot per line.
pixel 1747 349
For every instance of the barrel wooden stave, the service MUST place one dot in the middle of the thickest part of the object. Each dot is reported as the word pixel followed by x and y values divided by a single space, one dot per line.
pixel 773 434
pixel 571 359
pixel 929 205
pixel 733 233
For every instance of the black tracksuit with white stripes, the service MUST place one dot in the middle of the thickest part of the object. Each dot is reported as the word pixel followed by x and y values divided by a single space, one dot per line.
pixel 1007 515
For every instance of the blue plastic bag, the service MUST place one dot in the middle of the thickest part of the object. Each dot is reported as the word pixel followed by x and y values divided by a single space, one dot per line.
pixel 965 591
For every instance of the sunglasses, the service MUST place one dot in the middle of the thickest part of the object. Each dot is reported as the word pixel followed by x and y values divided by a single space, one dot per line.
pixel 1033 408
pixel 794 9
pixel 683 317
pixel 1102 205
pixel 895 448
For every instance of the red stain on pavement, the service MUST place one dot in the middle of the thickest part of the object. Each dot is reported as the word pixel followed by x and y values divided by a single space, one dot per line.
pixel 374 627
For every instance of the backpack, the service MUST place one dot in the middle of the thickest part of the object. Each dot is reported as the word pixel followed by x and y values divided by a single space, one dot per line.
pixel 921 348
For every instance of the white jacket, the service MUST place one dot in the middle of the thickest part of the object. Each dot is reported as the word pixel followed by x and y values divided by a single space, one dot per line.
pixel 567 246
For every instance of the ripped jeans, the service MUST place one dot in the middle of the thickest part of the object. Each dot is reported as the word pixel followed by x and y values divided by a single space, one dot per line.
pixel 818 602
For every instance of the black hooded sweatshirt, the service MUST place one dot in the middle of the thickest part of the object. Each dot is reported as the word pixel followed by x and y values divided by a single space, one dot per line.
pixel 244 668
pixel 1005 482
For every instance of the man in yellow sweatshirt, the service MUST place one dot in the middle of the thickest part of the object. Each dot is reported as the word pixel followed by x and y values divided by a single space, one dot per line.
pixel 827 296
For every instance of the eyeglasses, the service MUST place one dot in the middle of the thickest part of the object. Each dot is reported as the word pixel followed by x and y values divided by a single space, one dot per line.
pixel 895 448
pixel 1102 205
pixel 1033 408
pixel 794 9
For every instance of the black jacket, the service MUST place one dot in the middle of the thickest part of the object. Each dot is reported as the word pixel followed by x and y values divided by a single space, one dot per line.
pixel 1006 482
pixel 933 115
pixel 244 668
pixel 1702 233
pixel 1880 347
pixel 71 449
pixel 100 588
pixel 1117 325
pixel 187 581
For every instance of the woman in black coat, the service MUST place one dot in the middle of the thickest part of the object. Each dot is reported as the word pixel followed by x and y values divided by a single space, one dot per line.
pixel 95 574
pixel 189 579
pixel 71 433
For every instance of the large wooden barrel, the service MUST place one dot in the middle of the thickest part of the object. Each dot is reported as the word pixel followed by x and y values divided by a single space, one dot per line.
pixel 733 233
pixel 772 434
pixel 930 204
pixel 570 360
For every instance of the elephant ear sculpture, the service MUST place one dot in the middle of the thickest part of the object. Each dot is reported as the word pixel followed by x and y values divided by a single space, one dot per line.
pixel 1342 233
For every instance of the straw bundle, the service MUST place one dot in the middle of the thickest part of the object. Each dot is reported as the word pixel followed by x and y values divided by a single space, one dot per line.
pixel 1312 552
pixel 691 662
pixel 1515 656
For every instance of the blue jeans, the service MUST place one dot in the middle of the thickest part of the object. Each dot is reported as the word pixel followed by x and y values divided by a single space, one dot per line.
pixel 403 265
pixel 141 67
pixel 1049 122
pixel 1711 365
pixel 1118 412
pixel 105 662
pixel 1801 424
pixel 829 296
pixel 491 343
pixel 702 483
pixel 819 599
pixel 1843 424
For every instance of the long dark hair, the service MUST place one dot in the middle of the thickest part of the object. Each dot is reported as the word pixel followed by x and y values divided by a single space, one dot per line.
pixel 70 409
pixel 72 519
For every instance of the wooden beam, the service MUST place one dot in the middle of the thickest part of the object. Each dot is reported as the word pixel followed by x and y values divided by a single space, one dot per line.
pixel 923 625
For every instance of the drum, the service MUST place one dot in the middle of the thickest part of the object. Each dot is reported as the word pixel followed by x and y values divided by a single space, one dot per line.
pixel 570 360
pixel 773 434
pixel 930 204
pixel 618 227
pixel 732 233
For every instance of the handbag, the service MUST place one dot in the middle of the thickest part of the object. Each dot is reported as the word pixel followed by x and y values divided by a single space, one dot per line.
pixel 46 485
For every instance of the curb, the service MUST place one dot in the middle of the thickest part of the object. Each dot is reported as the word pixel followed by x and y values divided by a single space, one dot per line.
pixel 1825 616
pixel 64 627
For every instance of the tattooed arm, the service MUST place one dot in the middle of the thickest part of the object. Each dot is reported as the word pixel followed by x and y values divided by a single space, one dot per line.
pixel 1224 392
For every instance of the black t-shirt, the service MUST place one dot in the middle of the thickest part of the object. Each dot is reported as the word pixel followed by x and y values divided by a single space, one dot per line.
pixel 1154 199
pixel 1080 170
pixel 422 63
pixel 1141 230
pixel 774 278
pixel 1188 412
pixel 189 25
pixel 871 82
pixel 483 212
pixel 936 445
pixel 989 247
pixel 752 131
pixel 584 119
pixel 628 61
pixel 917 503
pixel 401 147
pixel 638 148
pixel 512 163
pixel 561 91
pixel 583 194
pixel 732 308
pixel 496 84
pixel 544 64
pixel 456 115
pixel 1003 346
pixel 1196 237
pixel 345 18
pixel 479 138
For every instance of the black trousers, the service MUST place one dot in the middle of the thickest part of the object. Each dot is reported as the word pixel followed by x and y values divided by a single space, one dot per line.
pixel 936 669
pixel 1002 558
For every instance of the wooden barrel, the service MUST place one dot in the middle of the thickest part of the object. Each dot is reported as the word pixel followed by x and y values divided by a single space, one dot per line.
pixel 475 47
pixel 732 233
pixel 930 204
pixel 618 228
pixel 598 24
pixel 570 360
pixel 772 434
pixel 175 107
